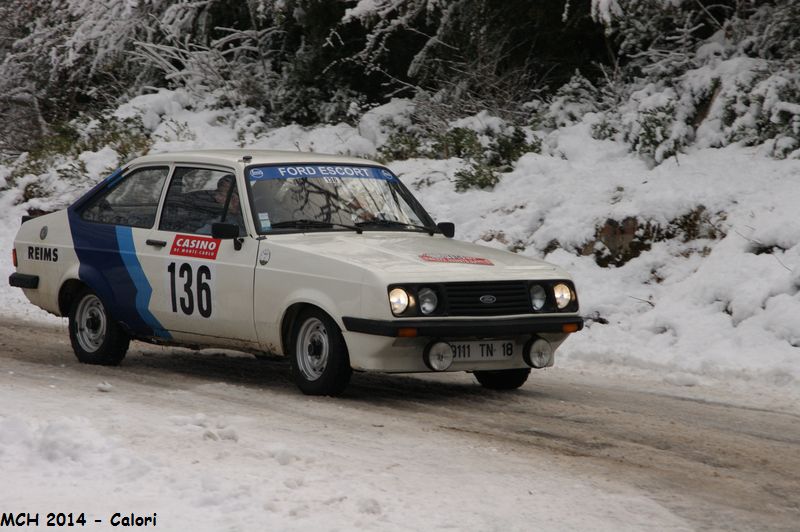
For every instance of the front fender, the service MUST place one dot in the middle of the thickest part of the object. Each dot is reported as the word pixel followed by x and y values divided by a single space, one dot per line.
pixel 318 299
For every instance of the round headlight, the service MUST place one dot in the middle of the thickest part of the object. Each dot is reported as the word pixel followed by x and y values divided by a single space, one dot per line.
pixel 562 294
pixel 538 353
pixel 398 299
pixel 427 300
pixel 538 297
pixel 438 356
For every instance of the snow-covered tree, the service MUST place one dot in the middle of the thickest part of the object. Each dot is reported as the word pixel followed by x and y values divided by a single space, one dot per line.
pixel 662 73
pixel 65 55
pixel 702 71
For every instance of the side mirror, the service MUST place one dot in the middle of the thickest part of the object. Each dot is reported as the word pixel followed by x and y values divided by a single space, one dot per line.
pixel 448 229
pixel 224 231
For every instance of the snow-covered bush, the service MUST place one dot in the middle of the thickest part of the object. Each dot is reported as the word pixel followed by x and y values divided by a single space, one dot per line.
pixel 63 57
pixel 400 145
pixel 488 144
pixel 767 109
pixel 713 73
pixel 474 55
pixel 76 151
pixel 274 56
pixel 660 74
pixel 571 102
pixel 476 175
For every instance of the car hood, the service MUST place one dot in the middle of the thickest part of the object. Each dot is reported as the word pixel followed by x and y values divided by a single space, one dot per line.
pixel 419 253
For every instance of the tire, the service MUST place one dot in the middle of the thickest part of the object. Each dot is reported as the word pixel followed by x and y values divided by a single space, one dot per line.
pixel 503 379
pixel 96 338
pixel 319 357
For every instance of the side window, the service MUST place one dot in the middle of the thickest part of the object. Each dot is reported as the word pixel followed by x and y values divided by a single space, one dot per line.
pixel 132 202
pixel 199 197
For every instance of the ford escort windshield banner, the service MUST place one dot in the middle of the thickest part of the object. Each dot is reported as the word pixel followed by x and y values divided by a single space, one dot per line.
pixel 296 171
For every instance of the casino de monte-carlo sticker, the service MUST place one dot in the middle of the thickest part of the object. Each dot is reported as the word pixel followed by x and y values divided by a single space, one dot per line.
pixel 200 247
pixel 459 259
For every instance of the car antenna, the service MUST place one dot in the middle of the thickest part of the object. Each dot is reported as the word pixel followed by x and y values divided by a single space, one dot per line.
pixel 247 158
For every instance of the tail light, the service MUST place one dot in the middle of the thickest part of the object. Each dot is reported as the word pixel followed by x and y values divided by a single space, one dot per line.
pixel 14 256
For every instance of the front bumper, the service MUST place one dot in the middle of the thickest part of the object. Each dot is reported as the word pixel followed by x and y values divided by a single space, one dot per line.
pixel 473 328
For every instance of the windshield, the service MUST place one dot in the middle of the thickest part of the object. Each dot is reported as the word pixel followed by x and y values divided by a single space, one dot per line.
pixel 331 197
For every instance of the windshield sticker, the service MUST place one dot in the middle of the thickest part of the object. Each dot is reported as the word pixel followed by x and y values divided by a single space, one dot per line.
pixel 201 247
pixel 263 217
pixel 297 171
pixel 460 259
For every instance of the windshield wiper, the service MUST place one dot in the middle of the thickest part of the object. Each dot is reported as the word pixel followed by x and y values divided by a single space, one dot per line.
pixel 305 222
pixel 396 223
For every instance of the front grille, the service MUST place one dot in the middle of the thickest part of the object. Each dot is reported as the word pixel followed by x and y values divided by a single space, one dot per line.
pixel 464 299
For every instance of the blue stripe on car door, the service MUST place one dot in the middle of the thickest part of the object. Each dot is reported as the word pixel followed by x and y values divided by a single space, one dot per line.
pixel 127 251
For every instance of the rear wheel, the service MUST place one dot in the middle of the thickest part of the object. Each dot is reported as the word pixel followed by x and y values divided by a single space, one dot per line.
pixel 503 379
pixel 96 338
pixel 319 357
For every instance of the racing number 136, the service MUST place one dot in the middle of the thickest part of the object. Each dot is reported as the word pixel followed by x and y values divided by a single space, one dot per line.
pixel 195 287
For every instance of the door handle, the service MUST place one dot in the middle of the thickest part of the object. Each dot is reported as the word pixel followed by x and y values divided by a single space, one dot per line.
pixel 157 243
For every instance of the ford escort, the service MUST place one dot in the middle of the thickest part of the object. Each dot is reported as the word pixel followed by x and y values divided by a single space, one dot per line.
pixel 329 260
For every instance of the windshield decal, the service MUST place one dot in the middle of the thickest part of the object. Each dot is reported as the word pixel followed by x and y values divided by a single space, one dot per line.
pixel 263 218
pixel 427 257
pixel 298 171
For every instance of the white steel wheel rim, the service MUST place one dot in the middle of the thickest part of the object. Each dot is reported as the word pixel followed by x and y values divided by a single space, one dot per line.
pixel 90 323
pixel 313 349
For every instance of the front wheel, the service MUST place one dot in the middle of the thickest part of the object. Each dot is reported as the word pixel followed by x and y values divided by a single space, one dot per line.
pixel 319 357
pixel 503 379
pixel 96 338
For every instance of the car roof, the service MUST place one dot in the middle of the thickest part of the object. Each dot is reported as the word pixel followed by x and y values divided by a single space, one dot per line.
pixel 234 157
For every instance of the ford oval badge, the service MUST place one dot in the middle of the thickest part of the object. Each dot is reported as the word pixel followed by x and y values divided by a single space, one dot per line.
pixel 488 299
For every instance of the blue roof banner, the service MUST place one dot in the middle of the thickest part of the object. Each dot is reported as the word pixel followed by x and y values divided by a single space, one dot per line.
pixel 298 171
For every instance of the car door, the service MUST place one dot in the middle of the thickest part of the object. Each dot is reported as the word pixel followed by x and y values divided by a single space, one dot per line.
pixel 203 286
pixel 105 230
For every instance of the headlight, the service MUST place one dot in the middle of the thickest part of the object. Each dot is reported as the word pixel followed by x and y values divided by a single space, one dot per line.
pixel 563 295
pixel 438 356
pixel 398 299
pixel 427 300
pixel 538 297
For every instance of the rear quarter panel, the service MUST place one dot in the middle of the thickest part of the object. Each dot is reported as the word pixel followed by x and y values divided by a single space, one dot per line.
pixel 44 248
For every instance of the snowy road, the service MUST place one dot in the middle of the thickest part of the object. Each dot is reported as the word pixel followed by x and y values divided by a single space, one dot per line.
pixel 216 441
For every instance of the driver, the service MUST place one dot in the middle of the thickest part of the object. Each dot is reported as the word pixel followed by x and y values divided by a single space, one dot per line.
pixel 216 210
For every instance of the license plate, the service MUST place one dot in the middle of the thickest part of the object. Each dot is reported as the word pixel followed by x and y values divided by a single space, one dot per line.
pixel 483 350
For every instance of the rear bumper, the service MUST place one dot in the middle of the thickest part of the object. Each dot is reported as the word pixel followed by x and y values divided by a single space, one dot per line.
pixel 475 328
pixel 22 280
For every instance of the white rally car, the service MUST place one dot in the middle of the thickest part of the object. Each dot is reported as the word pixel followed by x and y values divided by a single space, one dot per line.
pixel 327 259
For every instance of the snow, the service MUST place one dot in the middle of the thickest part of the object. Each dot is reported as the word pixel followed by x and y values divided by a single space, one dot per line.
pixel 363 9
pixel 606 11
pixel 481 122
pixel 377 123
pixel 100 163
pixel 250 462
pixel 692 313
